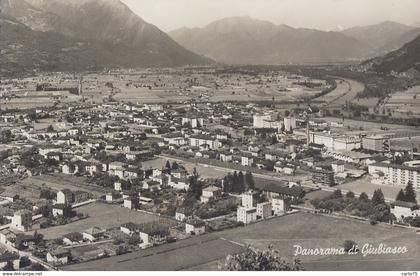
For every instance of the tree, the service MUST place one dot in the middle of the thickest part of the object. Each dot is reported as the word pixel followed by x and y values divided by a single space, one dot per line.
pixel 349 244
pixel 400 196
pixel 121 250
pixel 378 197
pixel 235 183
pixel 241 183
pixel 274 139
pixel 50 128
pixel 249 180
pixel 256 260
pixel 410 195
pixel 196 188
pixel 416 221
pixel 38 238
pixel 24 262
pixel 363 197
pixel 175 165
pixel 37 267
pixel 5 136
pixel 168 165
pixel 350 194
pixel 227 183
pixel 337 194
pixel 9 266
pixel 134 240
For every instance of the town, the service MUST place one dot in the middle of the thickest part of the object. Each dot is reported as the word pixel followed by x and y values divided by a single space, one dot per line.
pixel 102 165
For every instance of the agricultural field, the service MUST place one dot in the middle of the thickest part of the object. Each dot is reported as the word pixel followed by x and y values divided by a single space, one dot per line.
pixel 104 216
pixel 364 185
pixel 181 255
pixel 317 231
pixel 61 181
pixel 304 229
pixel 352 127
pixel 171 88
pixel 404 144
pixel 25 99
pixel 405 102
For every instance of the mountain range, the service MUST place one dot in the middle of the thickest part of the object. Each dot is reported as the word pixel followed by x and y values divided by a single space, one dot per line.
pixel 241 40
pixel 73 35
pixel 406 59
pixel 64 35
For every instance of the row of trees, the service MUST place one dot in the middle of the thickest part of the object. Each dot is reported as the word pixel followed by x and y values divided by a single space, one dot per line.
pixel 408 194
pixel 375 209
pixel 238 182
pixel 174 165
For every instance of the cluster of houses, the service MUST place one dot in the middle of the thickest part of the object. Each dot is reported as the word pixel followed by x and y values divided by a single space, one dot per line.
pixel 113 139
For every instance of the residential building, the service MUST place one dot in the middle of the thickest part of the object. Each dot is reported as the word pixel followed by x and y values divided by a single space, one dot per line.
pixel 289 123
pixel 335 142
pixel 279 205
pixel 376 143
pixel 59 256
pixel 259 120
pixel 264 210
pixel 65 196
pixel 249 199
pixel 271 191
pixel 93 234
pixel 247 160
pixel 195 226
pixel 73 238
pixel 210 192
pixel 22 220
pixel 323 177
pixel 182 214
pixel 246 214
pixel 401 210
pixel 205 141
pixel 395 175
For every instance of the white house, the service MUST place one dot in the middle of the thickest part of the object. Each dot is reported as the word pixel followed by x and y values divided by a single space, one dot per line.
pixel 22 220
pixel 402 210
pixel 279 206
pixel 264 210
pixel 93 234
pixel 247 160
pixel 246 214
pixel 196 227
pixel 210 193
pixel 60 256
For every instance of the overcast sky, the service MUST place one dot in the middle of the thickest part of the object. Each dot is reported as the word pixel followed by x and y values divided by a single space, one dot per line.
pixel 321 14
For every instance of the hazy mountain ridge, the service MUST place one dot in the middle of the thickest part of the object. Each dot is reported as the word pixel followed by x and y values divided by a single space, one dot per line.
pixel 110 32
pixel 242 40
pixel 246 40
pixel 404 59
pixel 385 36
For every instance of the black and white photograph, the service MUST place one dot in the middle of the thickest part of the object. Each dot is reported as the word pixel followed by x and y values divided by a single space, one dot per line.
pixel 162 136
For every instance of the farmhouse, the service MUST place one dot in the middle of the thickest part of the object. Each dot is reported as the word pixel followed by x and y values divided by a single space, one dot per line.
pixel 59 256
pixel 196 227
pixel 93 234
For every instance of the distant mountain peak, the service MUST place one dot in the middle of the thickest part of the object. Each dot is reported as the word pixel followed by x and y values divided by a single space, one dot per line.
pixel 243 40
pixel 111 33
pixel 402 60
pixel 384 36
